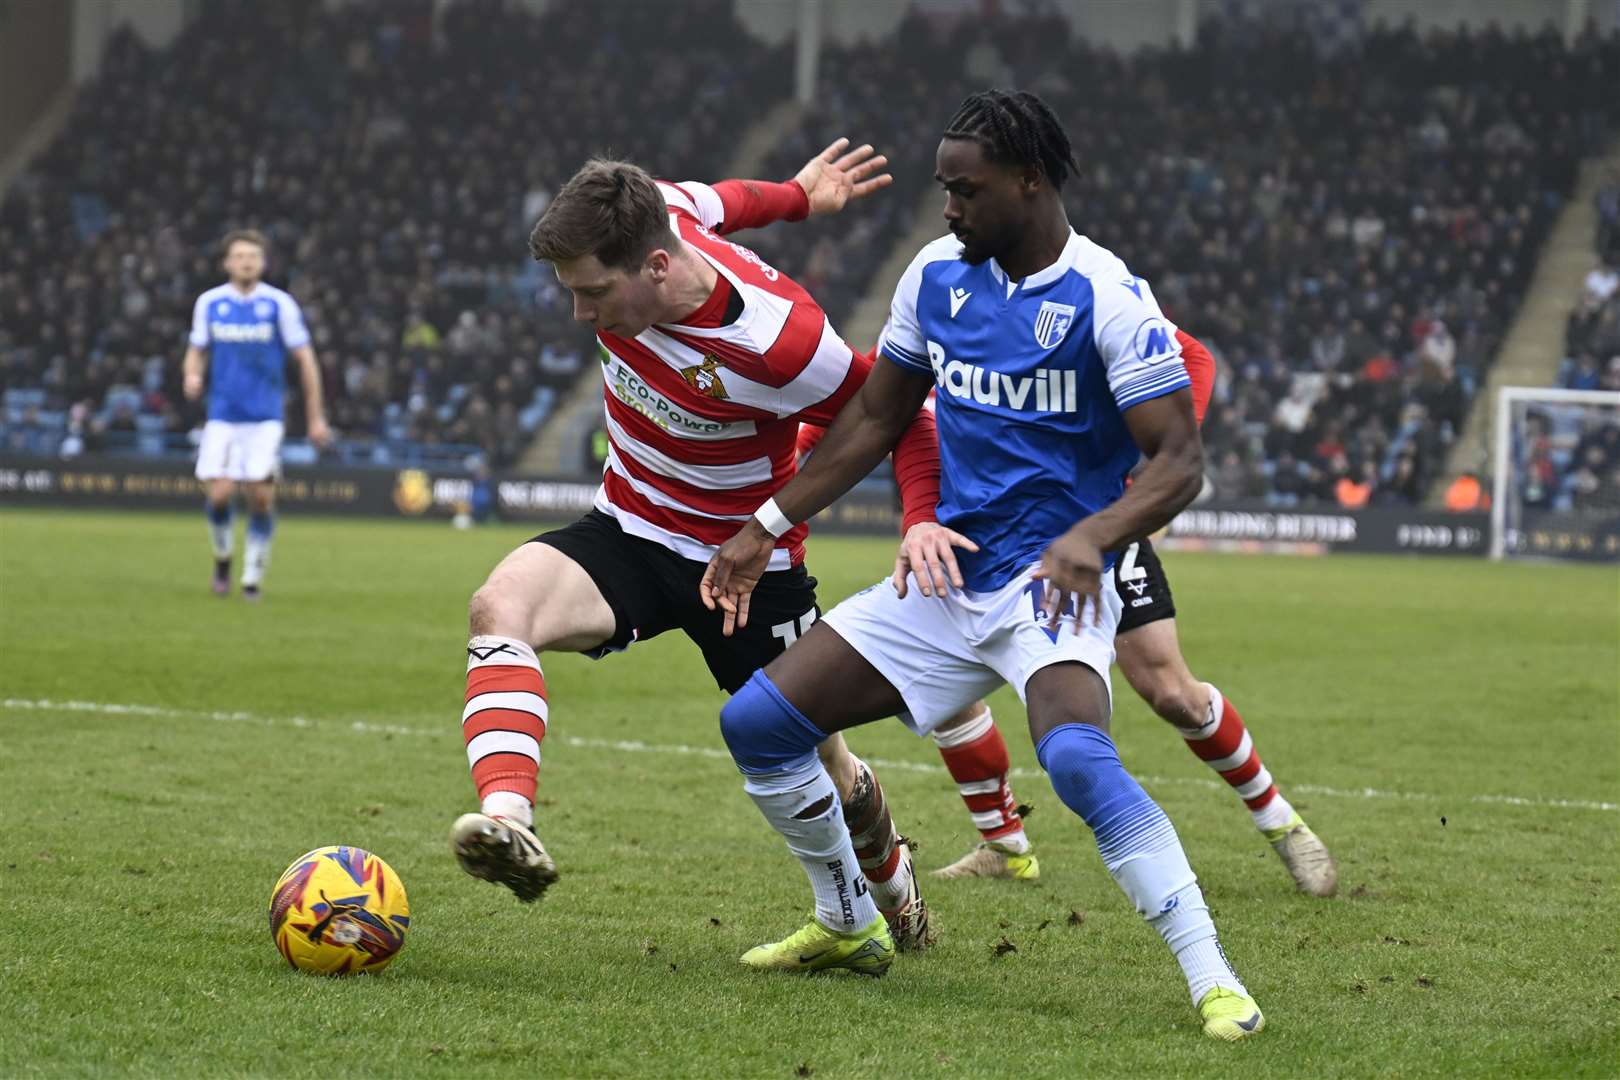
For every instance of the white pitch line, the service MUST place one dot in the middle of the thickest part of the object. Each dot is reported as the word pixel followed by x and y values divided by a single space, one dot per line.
pixel 636 746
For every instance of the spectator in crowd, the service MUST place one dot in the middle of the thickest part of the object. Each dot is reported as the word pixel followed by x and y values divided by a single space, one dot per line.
pixel 1346 214
pixel 404 152
pixel 1349 222
pixel 1466 493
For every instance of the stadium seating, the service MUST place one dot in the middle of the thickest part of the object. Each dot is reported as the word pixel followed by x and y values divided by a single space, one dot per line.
pixel 396 168
pixel 1349 224
pixel 1348 219
pixel 1570 459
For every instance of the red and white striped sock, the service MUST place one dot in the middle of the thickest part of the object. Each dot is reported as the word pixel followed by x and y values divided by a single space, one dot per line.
pixel 1223 743
pixel 977 759
pixel 503 722
pixel 877 844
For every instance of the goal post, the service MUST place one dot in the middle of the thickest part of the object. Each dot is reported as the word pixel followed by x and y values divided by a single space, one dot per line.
pixel 1556 486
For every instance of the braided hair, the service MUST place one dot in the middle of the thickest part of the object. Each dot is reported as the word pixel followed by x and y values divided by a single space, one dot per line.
pixel 1016 128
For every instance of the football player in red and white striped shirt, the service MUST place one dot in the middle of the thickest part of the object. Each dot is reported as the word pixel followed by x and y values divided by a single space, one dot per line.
pixel 711 360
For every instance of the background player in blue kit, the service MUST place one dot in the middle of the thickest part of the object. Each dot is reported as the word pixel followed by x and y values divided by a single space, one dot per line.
pixel 1056 372
pixel 241 334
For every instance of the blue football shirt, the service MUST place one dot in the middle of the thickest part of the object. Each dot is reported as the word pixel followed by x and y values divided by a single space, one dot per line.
pixel 248 337
pixel 1034 378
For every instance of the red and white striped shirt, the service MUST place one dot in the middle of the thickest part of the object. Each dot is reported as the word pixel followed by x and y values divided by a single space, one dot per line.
pixel 703 415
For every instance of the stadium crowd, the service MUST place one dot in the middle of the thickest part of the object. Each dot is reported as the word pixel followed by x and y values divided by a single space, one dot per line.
pixel 396 166
pixel 1349 228
pixel 1592 337
pixel 1567 458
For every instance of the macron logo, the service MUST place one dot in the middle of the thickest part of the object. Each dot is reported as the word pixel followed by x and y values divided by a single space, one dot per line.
pixel 958 298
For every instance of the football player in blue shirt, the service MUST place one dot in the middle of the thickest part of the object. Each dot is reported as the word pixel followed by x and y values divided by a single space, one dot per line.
pixel 1056 372
pixel 241 334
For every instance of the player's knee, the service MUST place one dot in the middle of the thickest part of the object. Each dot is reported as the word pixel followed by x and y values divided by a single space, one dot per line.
pixel 491 611
pixel 1181 702
pixel 967 716
pixel 839 763
pixel 1085 771
pixel 764 732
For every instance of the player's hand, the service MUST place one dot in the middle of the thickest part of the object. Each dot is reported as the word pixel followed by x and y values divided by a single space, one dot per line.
pixel 928 552
pixel 837 175
pixel 319 433
pixel 193 385
pixel 731 575
pixel 1072 567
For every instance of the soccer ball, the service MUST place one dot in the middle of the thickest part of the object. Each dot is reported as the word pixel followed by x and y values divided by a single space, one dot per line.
pixel 339 911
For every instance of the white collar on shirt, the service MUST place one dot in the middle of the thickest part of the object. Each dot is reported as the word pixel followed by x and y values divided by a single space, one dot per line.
pixel 1047 274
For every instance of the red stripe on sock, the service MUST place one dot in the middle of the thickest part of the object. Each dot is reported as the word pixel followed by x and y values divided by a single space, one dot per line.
pixel 1224 743
pixel 504 677
pixel 984 804
pixel 502 720
pixel 985 758
pixel 1228 736
pixel 882 871
pixel 1243 773
pixel 1259 801
pixel 505 771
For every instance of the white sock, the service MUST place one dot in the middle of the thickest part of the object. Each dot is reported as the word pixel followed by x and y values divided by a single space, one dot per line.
pixel 509 804
pixel 821 842
pixel 1274 815
pixel 1151 868
pixel 1187 928
pixel 1015 842
pixel 256 549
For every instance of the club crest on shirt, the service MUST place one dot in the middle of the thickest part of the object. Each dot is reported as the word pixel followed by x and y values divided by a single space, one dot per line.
pixel 263 309
pixel 1052 323
pixel 705 379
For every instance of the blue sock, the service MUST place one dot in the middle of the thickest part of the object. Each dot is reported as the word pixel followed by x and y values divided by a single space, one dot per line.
pixel 219 528
pixel 775 747
pixel 1140 848
pixel 1087 775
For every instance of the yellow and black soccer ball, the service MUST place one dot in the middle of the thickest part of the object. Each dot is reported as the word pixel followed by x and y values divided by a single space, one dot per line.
pixel 339 911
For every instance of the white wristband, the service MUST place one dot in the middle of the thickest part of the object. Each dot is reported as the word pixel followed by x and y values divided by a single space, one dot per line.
pixel 770 515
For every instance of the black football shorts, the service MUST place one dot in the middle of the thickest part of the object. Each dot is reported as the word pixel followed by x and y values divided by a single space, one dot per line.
pixel 652 589
pixel 1144 590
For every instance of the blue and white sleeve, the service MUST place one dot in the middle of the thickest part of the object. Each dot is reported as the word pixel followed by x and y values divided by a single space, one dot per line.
pixel 199 323
pixel 902 339
pixel 294 334
pixel 1138 344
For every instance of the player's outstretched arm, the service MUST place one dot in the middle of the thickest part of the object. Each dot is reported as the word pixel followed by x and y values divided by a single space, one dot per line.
pixel 1165 430
pixel 314 405
pixel 866 429
pixel 825 185
pixel 838 174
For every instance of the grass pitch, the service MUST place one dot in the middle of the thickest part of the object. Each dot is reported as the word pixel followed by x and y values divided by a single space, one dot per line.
pixel 1451 728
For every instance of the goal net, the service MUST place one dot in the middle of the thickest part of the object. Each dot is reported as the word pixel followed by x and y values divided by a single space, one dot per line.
pixel 1557 474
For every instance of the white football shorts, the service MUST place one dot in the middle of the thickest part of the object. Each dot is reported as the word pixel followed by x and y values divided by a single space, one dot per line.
pixel 247 452
pixel 942 653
